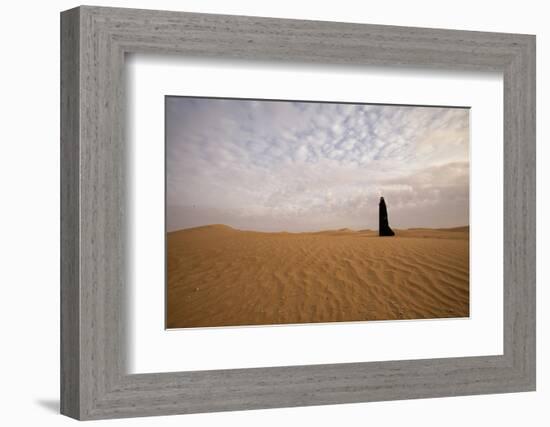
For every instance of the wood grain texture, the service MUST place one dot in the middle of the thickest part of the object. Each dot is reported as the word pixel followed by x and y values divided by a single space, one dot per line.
pixel 94 381
pixel 70 220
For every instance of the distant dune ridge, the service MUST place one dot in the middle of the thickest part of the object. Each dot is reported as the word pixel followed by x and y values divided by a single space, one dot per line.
pixel 220 276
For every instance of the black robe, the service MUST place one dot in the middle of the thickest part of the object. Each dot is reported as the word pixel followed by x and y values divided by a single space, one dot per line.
pixel 383 225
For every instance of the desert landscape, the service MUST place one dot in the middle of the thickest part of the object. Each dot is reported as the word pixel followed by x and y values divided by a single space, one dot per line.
pixel 292 212
pixel 222 276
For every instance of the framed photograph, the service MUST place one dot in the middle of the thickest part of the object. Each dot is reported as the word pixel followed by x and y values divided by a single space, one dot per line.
pixel 261 213
pixel 275 209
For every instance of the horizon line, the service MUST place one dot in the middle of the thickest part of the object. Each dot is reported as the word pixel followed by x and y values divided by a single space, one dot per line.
pixel 343 229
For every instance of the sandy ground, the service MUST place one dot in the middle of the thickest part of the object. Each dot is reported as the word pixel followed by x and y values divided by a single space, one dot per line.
pixel 219 276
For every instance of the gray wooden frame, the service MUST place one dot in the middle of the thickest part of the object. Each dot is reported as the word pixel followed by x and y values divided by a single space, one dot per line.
pixel 94 382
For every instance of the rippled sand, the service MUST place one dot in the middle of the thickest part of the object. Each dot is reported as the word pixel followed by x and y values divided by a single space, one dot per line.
pixel 219 276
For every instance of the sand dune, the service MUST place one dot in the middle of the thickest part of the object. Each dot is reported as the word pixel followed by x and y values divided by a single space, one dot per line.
pixel 219 276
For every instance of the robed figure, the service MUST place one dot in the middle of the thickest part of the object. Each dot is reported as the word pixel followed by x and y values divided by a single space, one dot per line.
pixel 383 225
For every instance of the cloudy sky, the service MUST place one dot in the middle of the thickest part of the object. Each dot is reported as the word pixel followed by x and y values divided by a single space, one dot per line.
pixel 303 166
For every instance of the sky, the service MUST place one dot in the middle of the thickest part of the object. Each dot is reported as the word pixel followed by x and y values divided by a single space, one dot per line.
pixel 307 166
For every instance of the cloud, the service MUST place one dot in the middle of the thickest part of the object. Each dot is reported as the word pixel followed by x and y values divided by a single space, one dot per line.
pixel 296 166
